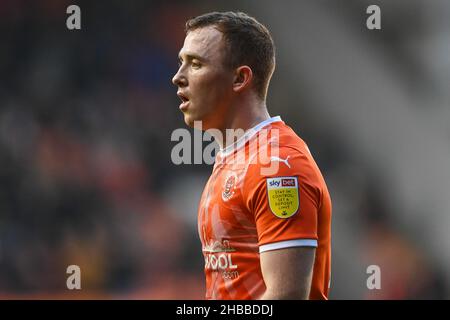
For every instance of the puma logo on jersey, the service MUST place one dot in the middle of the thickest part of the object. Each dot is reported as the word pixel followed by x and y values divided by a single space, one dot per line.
pixel 285 161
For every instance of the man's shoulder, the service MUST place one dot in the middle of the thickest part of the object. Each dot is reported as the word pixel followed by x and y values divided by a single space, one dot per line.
pixel 282 140
pixel 290 139
pixel 284 155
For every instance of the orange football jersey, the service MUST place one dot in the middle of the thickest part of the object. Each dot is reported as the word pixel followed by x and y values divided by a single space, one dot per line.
pixel 265 193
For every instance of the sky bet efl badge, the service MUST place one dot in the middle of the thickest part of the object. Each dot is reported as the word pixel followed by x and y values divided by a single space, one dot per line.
pixel 283 196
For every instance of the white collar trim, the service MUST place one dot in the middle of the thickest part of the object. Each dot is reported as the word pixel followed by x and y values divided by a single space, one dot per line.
pixel 247 136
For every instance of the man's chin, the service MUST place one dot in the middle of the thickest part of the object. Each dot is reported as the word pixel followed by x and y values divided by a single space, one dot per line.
pixel 192 121
pixel 197 122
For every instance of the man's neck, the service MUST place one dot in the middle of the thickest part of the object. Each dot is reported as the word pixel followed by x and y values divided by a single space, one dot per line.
pixel 242 118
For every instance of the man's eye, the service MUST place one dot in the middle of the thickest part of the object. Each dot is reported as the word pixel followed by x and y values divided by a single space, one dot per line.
pixel 179 63
pixel 196 64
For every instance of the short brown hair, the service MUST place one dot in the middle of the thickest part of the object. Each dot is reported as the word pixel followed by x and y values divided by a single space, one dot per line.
pixel 249 43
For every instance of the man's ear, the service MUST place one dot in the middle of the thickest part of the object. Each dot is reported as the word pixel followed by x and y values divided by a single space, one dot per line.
pixel 242 78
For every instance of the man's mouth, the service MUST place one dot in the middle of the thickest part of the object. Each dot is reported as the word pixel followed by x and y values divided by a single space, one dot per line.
pixel 184 101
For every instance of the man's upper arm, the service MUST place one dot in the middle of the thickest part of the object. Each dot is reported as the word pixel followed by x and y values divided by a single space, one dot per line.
pixel 288 272
pixel 285 206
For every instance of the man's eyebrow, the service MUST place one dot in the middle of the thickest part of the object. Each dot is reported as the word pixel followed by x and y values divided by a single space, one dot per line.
pixel 190 56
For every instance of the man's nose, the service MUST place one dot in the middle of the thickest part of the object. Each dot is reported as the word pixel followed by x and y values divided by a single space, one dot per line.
pixel 179 79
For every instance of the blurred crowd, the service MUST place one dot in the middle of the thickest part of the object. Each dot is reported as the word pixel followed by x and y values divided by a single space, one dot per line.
pixel 85 124
pixel 85 171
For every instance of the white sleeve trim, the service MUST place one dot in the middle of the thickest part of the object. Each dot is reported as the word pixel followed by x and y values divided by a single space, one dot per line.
pixel 288 244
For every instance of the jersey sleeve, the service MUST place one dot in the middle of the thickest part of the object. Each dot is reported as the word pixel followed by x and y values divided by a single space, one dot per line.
pixel 284 195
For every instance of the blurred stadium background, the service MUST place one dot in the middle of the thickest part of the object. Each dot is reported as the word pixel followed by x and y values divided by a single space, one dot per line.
pixel 86 117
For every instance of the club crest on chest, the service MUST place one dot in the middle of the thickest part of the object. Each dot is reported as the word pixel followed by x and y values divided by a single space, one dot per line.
pixel 229 187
